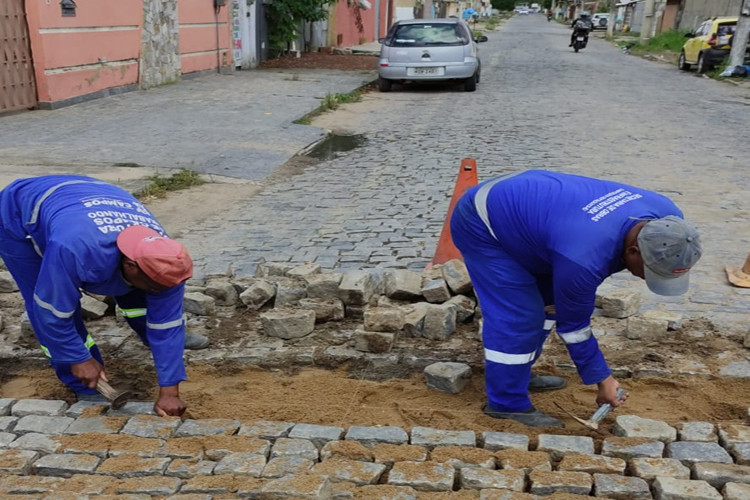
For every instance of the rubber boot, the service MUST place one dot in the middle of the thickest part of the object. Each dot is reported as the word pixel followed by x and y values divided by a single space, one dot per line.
pixel 542 383
pixel 195 341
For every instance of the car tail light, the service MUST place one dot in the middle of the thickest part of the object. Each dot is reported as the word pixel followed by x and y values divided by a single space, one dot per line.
pixel 712 40
pixel 384 64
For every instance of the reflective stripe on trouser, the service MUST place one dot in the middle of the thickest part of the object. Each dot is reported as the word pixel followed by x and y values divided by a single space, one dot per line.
pixel 512 302
pixel 133 308
pixel 89 343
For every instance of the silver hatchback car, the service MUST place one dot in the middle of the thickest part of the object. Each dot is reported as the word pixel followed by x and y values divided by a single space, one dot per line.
pixel 420 50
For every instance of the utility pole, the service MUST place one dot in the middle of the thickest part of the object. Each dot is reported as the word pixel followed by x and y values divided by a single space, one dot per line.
pixel 612 19
pixel 427 14
pixel 648 20
pixel 739 39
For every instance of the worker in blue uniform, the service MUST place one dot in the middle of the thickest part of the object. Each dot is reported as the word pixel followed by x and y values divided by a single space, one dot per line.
pixel 60 235
pixel 537 244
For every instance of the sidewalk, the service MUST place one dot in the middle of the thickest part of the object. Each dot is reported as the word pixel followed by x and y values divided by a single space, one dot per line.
pixel 238 125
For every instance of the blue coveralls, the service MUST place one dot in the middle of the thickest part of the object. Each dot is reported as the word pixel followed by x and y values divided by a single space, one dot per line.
pixel 58 237
pixel 535 239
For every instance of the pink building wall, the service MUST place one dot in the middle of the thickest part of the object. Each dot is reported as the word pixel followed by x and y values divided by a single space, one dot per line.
pixel 343 31
pixel 100 47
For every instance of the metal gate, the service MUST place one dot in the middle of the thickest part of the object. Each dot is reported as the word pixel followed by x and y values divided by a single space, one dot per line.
pixel 18 90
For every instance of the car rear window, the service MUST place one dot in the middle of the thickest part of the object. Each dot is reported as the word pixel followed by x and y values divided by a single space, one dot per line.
pixel 725 29
pixel 428 35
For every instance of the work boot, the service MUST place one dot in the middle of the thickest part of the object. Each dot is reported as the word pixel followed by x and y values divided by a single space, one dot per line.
pixel 194 341
pixel 541 383
pixel 531 417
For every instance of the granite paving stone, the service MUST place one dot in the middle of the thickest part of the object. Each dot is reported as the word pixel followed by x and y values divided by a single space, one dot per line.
pixel 28 485
pixel 697 431
pixel 7 423
pixel 741 453
pixel 370 436
pixel 211 485
pixel 736 491
pixel 302 487
pixel 76 409
pixel 354 471
pixel 186 468
pixel 650 468
pixel 732 434
pixel 149 426
pixel 669 488
pixel 157 486
pixel 6 438
pixel 547 483
pixel 504 440
pixel 353 450
pixel 523 460
pixel 477 478
pixel 627 448
pixel 43 443
pixel 286 466
pixel 217 447
pixel 65 465
pixel 390 453
pixel 41 407
pixel 575 462
pixel 131 408
pixel 690 452
pixel 16 461
pixel 317 434
pixel 463 456
pixel 266 429
pixel 426 436
pixel 5 406
pixel 208 427
pixel 718 474
pixel 243 464
pixel 635 426
pixel 422 476
pixel 42 424
pixel 102 425
pixel 284 447
pixel 133 466
pixel 558 445
pixel 619 487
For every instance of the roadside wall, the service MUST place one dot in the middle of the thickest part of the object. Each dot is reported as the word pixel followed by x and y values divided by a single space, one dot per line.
pixel 346 28
pixel 116 46
pixel 697 11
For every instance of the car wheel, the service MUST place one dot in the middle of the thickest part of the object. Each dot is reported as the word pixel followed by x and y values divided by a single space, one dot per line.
pixel 684 66
pixel 470 84
pixel 384 85
pixel 479 73
pixel 701 66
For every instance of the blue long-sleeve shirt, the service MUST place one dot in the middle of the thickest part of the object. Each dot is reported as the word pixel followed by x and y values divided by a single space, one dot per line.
pixel 73 223
pixel 573 229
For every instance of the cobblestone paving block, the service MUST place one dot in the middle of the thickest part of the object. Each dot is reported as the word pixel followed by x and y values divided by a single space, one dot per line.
pixel 258 294
pixel 669 488
pixel 457 277
pixel 717 475
pixel 465 307
pixel 155 486
pixel 492 494
pixel 42 424
pixel 286 466
pixel 627 448
pixel 33 441
pixel 6 438
pixel 223 292
pixel 187 468
pixel 288 447
pixel 385 492
pixel 690 452
pixel 592 464
pixel 132 408
pixel 199 304
pixel 65 465
pixel 463 456
pixel 477 478
pixel 741 453
pixel 101 425
pixel 217 447
pixel 736 369
pixel 449 377
pixel 212 485
pixel 523 460
pixel 375 342
pixel 288 323
pixel 28 485
pixel 422 476
pixel 148 426
pixel 429 437
pixel 325 309
pixel 697 431
pixel 402 284
pixel 439 321
pixel 736 491
pixel 42 407
pixel 547 483
pixel 7 423
pixel 351 450
pixel 388 454
pixel 645 328
pixel 243 464
pixel 5 405
pixel 732 434
pixel 370 436
pixel 124 444
pixel 77 408
pixel 208 427
pixel 356 287
pixel 635 426
pixel 266 429
pixel 619 487
pixel 495 441
pixel 557 445
pixel 323 285
pixel 649 469
pixel 133 466
pixel 353 471
pixel 383 319
pixel 414 316
pixel 619 303
pixel 16 461
pixel 298 487
pixel 317 434
pixel 436 291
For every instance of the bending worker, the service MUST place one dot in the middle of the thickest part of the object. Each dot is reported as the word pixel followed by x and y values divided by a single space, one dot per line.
pixel 63 234
pixel 537 245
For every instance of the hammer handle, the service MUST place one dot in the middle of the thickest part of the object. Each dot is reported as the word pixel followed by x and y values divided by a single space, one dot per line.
pixel 604 409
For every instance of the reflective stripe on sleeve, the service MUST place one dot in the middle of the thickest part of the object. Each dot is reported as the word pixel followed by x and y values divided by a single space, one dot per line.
pixel 577 336
pixel 133 313
pixel 480 200
pixel 508 359
pixel 38 206
pixel 167 325
pixel 51 308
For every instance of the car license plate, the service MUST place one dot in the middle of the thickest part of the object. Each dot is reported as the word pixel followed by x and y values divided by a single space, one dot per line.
pixel 424 71
pixel 580 38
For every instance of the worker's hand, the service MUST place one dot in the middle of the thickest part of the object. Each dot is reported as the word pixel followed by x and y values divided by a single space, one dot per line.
pixel 608 392
pixel 169 402
pixel 89 372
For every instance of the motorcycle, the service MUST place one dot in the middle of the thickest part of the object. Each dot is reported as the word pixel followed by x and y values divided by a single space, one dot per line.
pixel 549 16
pixel 580 39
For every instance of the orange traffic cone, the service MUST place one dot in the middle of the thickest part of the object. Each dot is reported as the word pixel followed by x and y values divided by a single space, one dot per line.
pixel 467 178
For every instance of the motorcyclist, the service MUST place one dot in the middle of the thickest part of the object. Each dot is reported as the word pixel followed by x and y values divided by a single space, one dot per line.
pixel 549 15
pixel 582 25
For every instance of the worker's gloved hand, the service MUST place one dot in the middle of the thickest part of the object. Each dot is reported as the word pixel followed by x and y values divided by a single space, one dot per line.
pixel 89 372
pixel 608 392
pixel 169 402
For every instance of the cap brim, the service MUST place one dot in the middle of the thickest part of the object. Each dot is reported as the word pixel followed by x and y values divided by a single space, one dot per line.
pixel 737 277
pixel 666 286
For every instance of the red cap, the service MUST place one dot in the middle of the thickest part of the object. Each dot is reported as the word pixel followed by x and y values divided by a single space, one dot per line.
pixel 162 259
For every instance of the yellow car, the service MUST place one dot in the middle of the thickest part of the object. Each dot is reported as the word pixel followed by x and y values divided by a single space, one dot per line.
pixel 708 45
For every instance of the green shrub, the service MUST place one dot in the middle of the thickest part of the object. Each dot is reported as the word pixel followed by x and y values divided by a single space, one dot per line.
pixel 669 40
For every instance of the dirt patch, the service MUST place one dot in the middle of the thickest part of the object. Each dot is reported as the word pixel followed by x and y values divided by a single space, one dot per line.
pixel 324 59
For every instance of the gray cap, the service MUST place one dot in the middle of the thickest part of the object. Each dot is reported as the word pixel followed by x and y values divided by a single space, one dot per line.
pixel 669 247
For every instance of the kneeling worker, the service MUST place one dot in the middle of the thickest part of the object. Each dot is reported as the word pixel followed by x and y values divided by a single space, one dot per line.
pixel 537 245
pixel 63 234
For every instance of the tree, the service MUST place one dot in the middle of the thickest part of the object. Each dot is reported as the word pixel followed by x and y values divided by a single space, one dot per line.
pixel 505 5
pixel 286 16
pixel 740 37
